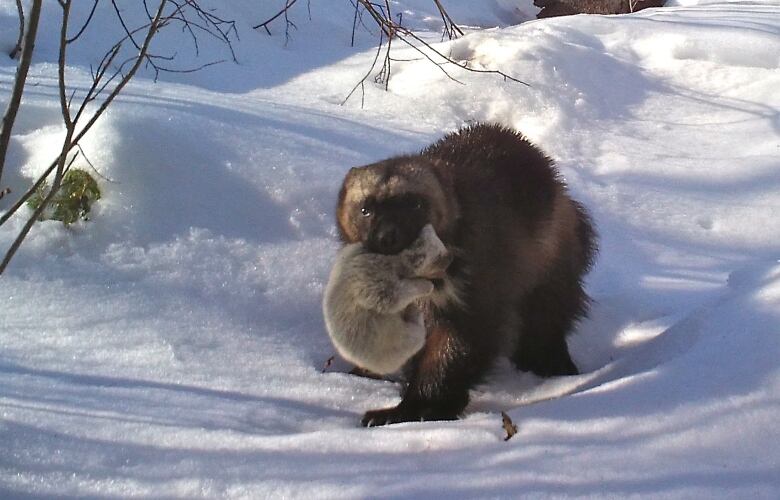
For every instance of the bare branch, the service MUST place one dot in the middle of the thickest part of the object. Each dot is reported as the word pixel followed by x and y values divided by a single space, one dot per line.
pixel 394 30
pixel 92 165
pixel 283 12
pixel 86 23
pixel 448 59
pixel 18 46
pixel 96 88
pixel 124 26
pixel 61 64
pixel 141 55
pixel 26 196
pixel 450 28
pixel 212 25
pixel 28 45
pixel 361 83
pixel 37 213
pixel 354 24
pixel 380 13
pixel 71 136
pixel 108 72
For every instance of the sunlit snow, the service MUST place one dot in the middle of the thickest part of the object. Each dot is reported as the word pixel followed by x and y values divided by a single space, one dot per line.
pixel 173 346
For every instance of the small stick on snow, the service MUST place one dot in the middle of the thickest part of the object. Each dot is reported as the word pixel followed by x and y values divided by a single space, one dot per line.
pixel 509 426
pixel 327 364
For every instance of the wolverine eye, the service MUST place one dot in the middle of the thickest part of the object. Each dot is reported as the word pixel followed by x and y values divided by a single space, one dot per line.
pixel 365 211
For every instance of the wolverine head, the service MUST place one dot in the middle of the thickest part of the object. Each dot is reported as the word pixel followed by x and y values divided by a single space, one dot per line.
pixel 386 204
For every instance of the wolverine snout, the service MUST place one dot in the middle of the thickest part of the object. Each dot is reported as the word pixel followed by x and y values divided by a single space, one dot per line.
pixel 389 236
pixel 385 239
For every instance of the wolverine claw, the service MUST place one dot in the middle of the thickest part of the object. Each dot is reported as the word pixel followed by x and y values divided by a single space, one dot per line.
pixel 398 414
pixel 385 416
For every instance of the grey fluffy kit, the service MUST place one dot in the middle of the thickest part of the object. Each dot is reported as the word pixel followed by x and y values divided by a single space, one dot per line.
pixel 369 303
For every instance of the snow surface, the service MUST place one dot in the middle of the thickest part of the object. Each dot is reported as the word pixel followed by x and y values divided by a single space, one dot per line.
pixel 173 346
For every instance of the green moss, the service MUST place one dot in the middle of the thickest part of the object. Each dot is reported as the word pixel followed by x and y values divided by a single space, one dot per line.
pixel 72 202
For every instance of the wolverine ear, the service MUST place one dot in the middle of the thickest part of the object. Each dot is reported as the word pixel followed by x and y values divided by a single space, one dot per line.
pixel 341 213
pixel 342 210
pixel 448 199
pixel 348 183
pixel 350 178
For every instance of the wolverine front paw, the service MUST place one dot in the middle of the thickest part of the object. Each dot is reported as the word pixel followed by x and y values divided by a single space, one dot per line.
pixel 405 413
pixel 384 416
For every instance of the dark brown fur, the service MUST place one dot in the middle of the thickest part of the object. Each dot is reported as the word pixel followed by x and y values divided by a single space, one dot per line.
pixel 522 246
pixel 554 8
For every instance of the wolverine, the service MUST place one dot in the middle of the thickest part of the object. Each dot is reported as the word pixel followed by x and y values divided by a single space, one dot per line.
pixel 519 247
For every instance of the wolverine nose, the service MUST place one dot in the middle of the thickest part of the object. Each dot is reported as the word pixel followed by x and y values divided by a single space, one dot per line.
pixel 387 240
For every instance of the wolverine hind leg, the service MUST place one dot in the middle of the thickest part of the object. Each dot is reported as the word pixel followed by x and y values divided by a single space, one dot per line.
pixel 547 316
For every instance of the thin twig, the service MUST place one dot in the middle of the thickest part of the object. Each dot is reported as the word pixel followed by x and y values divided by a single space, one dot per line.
pixel 411 39
pixel 354 25
pixel 9 117
pixel 92 166
pixel 450 28
pixel 456 63
pixel 283 12
pixel 26 196
pixel 61 64
pixel 86 23
pixel 71 137
pixel 383 18
pixel 35 216
pixel 288 24
pixel 102 78
pixel 18 46
pixel 213 27
pixel 141 55
pixel 362 81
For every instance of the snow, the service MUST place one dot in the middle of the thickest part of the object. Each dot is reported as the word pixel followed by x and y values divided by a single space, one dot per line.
pixel 173 346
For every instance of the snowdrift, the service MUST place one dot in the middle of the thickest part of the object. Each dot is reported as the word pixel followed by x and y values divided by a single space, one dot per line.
pixel 173 345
